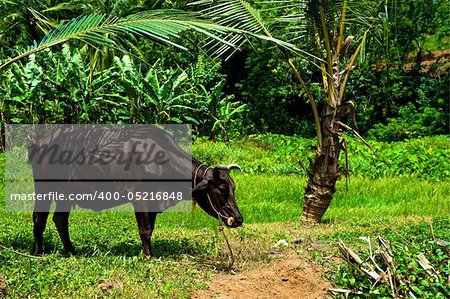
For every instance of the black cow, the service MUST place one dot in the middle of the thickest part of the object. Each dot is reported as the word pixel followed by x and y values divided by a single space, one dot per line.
pixel 212 187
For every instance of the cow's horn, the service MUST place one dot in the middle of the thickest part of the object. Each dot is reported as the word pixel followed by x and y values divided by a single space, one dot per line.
pixel 221 167
pixel 234 166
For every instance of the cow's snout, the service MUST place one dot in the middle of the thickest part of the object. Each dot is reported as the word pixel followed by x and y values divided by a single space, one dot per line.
pixel 235 221
pixel 238 220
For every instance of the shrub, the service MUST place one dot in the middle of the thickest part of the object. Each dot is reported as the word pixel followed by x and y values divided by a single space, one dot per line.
pixel 426 158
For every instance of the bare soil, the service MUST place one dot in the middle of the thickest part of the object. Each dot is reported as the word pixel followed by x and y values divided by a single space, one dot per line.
pixel 288 277
pixel 428 59
pixel 4 289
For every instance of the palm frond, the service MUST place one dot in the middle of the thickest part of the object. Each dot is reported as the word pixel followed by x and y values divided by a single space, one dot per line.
pixel 235 14
pixel 241 15
pixel 163 26
pixel 65 6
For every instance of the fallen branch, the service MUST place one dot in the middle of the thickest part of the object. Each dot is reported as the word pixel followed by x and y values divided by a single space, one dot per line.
pixel 20 253
pixel 352 258
pixel 425 264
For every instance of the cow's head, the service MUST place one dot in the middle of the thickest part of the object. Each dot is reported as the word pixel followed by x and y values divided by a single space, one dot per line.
pixel 215 195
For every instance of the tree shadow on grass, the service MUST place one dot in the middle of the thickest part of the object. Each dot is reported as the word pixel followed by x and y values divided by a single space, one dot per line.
pixel 128 248
pixel 25 244
pixel 161 248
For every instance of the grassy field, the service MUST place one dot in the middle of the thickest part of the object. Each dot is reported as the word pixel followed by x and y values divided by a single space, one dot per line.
pixel 188 246
pixel 190 249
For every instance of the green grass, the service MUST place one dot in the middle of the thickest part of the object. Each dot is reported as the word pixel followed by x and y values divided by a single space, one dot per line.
pixel 109 246
pixel 189 247
pixel 432 43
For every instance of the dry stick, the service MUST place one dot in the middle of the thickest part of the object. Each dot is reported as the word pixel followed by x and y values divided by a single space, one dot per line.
pixel 432 231
pixel 398 234
pixel 386 254
pixel 387 257
pixel 442 243
pixel 372 257
pixel 364 267
pixel 382 278
pixel 20 253
pixel 384 244
pixel 391 283
pixel 425 264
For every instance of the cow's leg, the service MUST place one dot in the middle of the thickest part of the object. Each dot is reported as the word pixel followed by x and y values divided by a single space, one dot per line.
pixel 39 223
pixel 151 221
pixel 61 220
pixel 145 231
pixel 40 216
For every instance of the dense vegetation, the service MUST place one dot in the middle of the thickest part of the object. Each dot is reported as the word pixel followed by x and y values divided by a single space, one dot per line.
pixel 425 158
pixel 395 97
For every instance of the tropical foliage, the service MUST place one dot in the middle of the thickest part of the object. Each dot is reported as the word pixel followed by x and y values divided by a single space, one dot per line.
pixel 326 23
pixel 275 102
pixel 336 34
pixel 286 88
pixel 124 93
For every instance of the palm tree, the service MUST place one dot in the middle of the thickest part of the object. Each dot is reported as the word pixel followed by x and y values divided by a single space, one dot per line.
pixel 327 22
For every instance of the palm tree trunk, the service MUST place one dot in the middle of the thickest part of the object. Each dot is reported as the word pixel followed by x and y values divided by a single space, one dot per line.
pixel 324 171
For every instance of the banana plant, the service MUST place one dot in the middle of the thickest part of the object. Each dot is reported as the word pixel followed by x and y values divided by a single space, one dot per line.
pixel 326 22
pixel 38 91
pixel 159 96
pixel 221 110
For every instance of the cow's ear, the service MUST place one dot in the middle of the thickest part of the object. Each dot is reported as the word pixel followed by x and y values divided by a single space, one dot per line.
pixel 201 186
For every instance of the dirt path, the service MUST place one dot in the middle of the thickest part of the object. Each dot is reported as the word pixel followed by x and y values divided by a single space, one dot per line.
pixel 289 277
